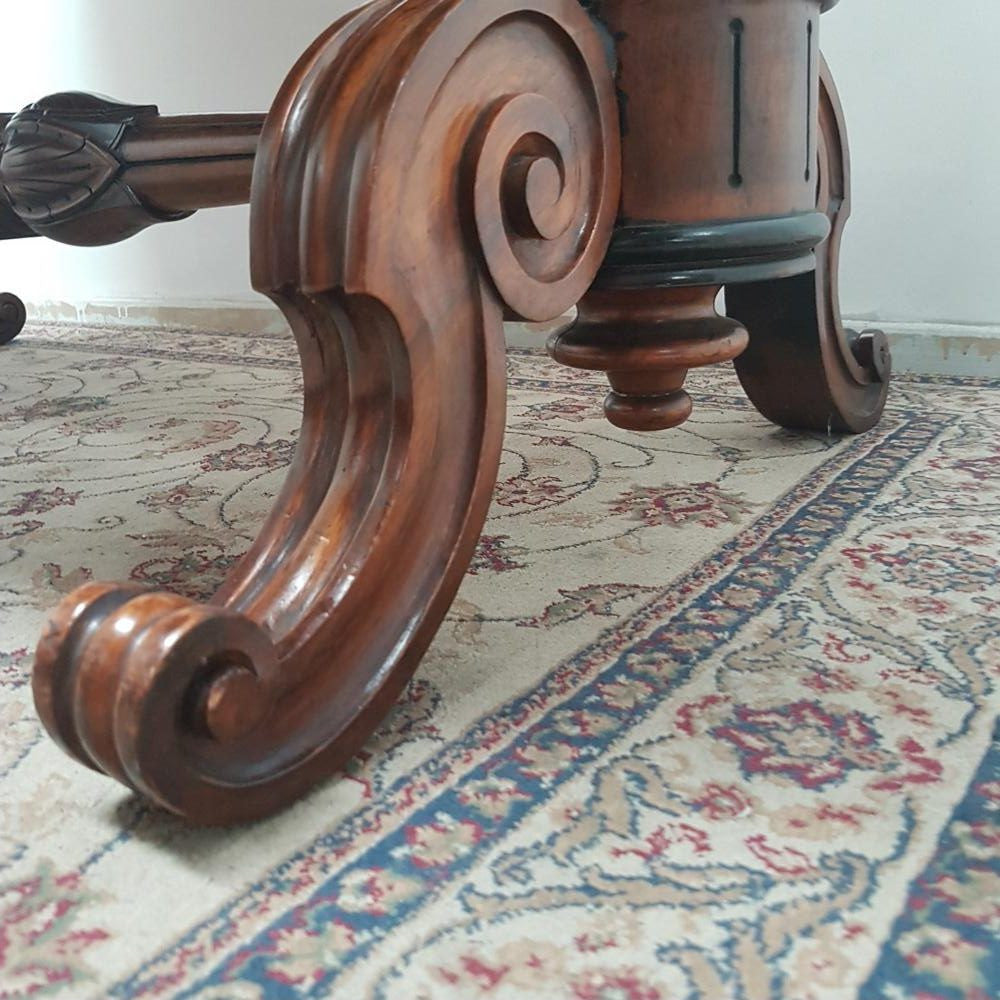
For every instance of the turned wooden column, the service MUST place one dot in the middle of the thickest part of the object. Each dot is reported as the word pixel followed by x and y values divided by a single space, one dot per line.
pixel 719 104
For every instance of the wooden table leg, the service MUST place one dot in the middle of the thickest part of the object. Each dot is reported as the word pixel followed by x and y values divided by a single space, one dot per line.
pixel 803 369
pixel 428 168
pixel 425 168
pixel 12 317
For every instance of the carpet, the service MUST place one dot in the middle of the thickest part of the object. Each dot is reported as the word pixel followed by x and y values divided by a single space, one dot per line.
pixel 714 714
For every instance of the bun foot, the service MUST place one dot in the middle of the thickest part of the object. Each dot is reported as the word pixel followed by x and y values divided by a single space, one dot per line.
pixel 647 341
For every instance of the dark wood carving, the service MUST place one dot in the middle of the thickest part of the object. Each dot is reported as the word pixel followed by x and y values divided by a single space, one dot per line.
pixel 803 369
pixel 426 167
pixel 429 167
pixel 12 317
pixel 87 171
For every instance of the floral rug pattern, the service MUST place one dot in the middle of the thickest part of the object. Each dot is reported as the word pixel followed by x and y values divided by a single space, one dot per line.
pixel 712 716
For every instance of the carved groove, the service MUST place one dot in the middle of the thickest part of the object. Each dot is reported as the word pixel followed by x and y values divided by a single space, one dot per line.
pixel 809 101
pixel 736 26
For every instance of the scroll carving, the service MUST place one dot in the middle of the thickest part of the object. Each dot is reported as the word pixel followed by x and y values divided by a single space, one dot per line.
pixel 803 369
pixel 427 167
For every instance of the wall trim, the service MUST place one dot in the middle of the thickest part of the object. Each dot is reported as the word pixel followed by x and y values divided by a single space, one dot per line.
pixel 921 348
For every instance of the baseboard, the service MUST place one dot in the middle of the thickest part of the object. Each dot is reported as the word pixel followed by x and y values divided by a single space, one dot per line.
pixel 204 317
pixel 263 318
pixel 920 348
pixel 941 348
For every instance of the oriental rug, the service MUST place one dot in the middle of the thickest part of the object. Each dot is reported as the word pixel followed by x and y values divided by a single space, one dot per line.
pixel 714 714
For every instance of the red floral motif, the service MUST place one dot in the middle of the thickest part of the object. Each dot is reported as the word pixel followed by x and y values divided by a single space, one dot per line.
pixel 802 742
pixel 919 769
pixel 250 457
pixel 19 529
pixel 495 554
pixel 696 503
pixel 692 717
pixel 40 948
pixel 443 842
pixel 839 648
pixel 599 599
pixel 722 802
pixel 780 860
pixel 528 491
pixel 42 501
pixel 564 408
pixel 60 406
pixel 14 668
pixel 377 892
pixel 932 568
pixel 663 838
pixel 624 985
pixel 51 578
pixel 175 497
pixel 825 679
pixel 195 574
pixel 980 469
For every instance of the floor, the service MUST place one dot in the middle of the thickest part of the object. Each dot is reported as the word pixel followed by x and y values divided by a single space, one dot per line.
pixel 714 714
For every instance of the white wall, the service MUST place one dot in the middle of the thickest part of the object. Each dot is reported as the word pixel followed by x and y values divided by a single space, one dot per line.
pixel 919 79
pixel 186 56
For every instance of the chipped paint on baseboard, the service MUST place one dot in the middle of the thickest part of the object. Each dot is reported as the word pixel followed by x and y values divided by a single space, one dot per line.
pixel 942 349
pixel 206 317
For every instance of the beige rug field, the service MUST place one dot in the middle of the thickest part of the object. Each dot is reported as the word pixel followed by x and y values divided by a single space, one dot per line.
pixel 713 715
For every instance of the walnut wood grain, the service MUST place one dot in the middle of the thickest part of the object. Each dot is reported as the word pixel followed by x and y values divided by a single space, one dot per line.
pixel 426 166
pixel 718 187
pixel 429 167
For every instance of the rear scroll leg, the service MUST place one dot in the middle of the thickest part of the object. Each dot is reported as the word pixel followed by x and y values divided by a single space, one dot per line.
pixel 426 167
pixel 12 317
pixel 803 369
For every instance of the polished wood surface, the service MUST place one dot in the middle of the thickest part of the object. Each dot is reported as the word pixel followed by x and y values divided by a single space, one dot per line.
pixel 87 171
pixel 721 145
pixel 803 369
pixel 428 168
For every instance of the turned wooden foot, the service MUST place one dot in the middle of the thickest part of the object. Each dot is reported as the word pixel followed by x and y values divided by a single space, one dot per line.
pixel 425 168
pixel 647 340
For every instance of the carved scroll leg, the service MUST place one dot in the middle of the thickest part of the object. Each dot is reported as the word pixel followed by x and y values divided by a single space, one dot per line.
pixel 802 368
pixel 426 167
pixel 12 317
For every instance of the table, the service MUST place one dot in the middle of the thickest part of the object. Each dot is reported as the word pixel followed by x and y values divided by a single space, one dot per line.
pixel 429 168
